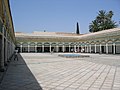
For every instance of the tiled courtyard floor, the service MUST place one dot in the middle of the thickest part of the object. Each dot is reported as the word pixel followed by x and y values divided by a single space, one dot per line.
pixel 37 71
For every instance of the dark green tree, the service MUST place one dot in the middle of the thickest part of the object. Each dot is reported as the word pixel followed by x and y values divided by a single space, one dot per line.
pixel 77 30
pixel 102 22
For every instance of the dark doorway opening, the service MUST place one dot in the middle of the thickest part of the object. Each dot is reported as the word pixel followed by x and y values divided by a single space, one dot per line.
pixel 67 49
pixel 102 49
pixel 60 49
pixel 39 49
pixel 46 49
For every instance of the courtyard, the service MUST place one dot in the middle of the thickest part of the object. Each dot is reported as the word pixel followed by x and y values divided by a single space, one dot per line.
pixel 45 71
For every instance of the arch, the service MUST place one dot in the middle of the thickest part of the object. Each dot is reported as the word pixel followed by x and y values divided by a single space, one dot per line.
pixel 39 47
pixel 53 44
pixel 117 40
pixel 66 44
pixel 71 44
pixel 25 44
pixel 32 47
pixel 60 44
pixel 103 42
pixel 46 44
pixel 32 44
pixel 46 47
pixel 18 44
pixel 110 40
pixel 92 42
pixel 39 44
pixel 117 46
pixel 24 47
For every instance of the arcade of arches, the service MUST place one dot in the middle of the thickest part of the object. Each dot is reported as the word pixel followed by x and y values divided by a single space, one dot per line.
pixel 108 47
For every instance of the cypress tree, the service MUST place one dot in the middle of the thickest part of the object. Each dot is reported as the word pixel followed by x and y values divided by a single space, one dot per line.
pixel 77 31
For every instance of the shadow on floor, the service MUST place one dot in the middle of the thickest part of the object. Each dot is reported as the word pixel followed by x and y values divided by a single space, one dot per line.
pixel 19 77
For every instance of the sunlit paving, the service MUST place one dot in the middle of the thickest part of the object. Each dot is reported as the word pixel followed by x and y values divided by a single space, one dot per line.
pixel 45 71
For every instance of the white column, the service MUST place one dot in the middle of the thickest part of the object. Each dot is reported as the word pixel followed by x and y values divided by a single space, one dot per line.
pixel 90 48
pixel 42 47
pixel 56 48
pixel 75 48
pixel 36 47
pixel 95 48
pixel 114 48
pixel 63 48
pixel 106 48
pixel 69 48
pixel 21 47
pixel 50 47
pixel 28 47
pixel 100 49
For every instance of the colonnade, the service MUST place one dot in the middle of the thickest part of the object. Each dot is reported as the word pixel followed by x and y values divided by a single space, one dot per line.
pixel 6 49
pixel 107 48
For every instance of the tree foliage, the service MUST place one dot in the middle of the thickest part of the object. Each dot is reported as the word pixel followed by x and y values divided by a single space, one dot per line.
pixel 102 22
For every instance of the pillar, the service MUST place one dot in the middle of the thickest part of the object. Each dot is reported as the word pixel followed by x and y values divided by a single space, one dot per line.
pixel 6 57
pixel 21 48
pixel 28 48
pixel 114 48
pixel 42 47
pixel 74 48
pixel 69 48
pixel 90 48
pixel 57 48
pixel 63 48
pixel 95 48
pixel 106 48
pixel 100 49
pixel 50 47
pixel 35 47
pixel 8 49
pixel 2 52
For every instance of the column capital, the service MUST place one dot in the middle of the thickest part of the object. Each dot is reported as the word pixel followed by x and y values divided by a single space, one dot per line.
pixel 36 42
pixel 21 42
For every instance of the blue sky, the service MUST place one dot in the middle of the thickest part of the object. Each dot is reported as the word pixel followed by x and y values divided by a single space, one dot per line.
pixel 59 15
